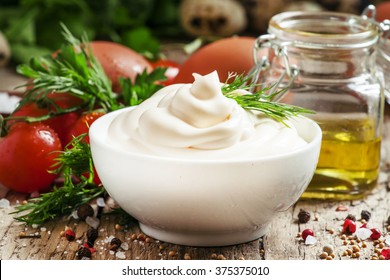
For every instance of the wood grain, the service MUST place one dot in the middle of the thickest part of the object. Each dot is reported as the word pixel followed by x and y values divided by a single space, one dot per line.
pixel 280 243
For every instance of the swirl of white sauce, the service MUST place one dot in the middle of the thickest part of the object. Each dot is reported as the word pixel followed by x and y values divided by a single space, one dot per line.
pixel 197 121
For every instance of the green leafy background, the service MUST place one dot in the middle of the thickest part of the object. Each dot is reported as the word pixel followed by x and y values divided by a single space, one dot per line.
pixel 32 27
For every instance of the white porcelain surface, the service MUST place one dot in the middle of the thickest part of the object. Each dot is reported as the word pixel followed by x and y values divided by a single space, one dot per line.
pixel 204 202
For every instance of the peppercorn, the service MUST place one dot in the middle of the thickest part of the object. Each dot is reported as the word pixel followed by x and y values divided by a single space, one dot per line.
pixel 115 243
pixel 92 235
pixel 365 215
pixel 84 211
pixel 83 252
pixel 351 217
pixel 306 233
pixel 376 234
pixel 349 226
pixel 70 235
pixel 303 216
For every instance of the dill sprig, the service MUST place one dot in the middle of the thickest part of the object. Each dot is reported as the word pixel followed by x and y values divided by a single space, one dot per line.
pixel 75 160
pixel 261 100
pixel 72 70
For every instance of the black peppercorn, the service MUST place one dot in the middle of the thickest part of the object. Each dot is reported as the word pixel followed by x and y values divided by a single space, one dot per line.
pixel 84 211
pixel 365 215
pixel 351 217
pixel 83 252
pixel 115 244
pixel 92 235
pixel 303 216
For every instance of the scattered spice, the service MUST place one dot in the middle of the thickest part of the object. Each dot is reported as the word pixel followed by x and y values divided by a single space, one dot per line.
pixel 31 235
pixel 385 253
pixel 133 236
pixel 84 210
pixel 331 230
pixel 83 253
pixel 70 235
pixel 376 234
pixel 306 233
pixel 187 256
pixel 172 253
pixel 92 235
pixel 115 243
pixel 349 226
pixel 341 208
pixel 141 237
pixel 118 227
pixel 323 255
pixel 365 215
pixel 328 249
pixel 351 217
pixel 221 257
pixel 303 216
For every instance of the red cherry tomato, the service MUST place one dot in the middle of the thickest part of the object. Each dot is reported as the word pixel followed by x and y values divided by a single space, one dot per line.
pixel 119 61
pixel 81 126
pixel 61 124
pixel 171 72
pixel 27 152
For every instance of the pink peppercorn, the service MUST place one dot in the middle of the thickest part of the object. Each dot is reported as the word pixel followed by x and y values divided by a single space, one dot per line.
pixel 306 233
pixel 386 253
pixel 376 234
pixel 349 226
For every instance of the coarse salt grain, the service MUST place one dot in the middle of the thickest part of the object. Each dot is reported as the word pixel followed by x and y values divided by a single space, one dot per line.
pixel 93 222
pixel 4 203
pixel 8 103
pixel 120 255
pixel 74 215
pixel 310 240
pixel 100 202
pixel 108 239
pixel 43 229
pixel 125 246
pixel 387 240
pixel 363 233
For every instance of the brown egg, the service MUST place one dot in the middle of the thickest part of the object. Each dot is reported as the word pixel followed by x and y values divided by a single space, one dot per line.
pixel 233 54
pixel 119 61
pixel 383 11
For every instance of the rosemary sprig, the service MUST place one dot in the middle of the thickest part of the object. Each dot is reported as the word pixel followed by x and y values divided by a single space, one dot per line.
pixel 75 160
pixel 260 100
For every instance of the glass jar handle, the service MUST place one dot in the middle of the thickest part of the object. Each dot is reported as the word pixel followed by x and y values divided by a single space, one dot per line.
pixel 262 64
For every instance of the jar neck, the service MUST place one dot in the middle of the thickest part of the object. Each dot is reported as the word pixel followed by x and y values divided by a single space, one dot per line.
pixel 329 64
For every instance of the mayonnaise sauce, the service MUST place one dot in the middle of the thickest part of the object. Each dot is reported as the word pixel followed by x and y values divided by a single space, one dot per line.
pixel 198 121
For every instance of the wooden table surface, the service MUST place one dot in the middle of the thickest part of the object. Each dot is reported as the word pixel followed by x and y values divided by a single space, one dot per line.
pixel 280 243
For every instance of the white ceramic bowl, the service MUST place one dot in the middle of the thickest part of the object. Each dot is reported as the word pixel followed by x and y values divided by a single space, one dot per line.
pixel 204 202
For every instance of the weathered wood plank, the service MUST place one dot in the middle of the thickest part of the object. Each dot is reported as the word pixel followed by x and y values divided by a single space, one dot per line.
pixel 281 242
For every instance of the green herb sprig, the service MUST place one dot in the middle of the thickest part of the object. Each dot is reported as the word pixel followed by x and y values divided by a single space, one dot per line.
pixel 260 100
pixel 76 167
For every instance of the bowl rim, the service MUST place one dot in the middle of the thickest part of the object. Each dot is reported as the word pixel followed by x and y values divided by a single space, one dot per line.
pixel 96 139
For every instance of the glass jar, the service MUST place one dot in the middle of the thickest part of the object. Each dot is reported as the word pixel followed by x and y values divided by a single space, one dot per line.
pixel 328 63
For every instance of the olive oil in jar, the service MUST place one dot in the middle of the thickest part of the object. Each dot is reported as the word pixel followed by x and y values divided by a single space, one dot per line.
pixel 348 166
